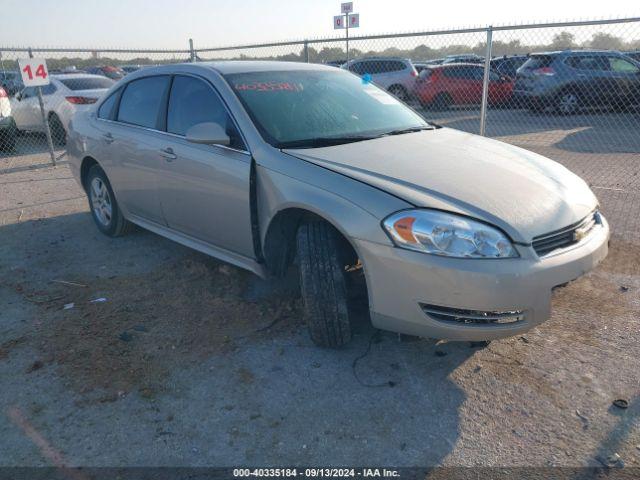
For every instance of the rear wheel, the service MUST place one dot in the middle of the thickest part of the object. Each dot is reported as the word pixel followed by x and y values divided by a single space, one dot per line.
pixel 104 207
pixel 567 103
pixel 8 137
pixel 442 101
pixel 58 133
pixel 399 92
pixel 323 284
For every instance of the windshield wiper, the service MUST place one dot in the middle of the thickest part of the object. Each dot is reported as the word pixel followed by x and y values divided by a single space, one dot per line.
pixel 402 131
pixel 325 141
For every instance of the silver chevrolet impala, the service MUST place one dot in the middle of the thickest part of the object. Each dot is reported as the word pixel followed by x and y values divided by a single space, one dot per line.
pixel 273 166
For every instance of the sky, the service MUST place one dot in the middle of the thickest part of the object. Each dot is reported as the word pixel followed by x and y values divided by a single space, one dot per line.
pixel 170 23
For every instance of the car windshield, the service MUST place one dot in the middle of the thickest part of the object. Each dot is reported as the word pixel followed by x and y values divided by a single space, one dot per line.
pixel 318 108
pixel 87 83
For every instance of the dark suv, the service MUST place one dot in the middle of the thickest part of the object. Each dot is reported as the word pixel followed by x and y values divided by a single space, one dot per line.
pixel 569 80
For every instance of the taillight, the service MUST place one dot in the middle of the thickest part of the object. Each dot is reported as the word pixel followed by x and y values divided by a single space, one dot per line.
pixel 3 93
pixel 546 71
pixel 414 73
pixel 81 100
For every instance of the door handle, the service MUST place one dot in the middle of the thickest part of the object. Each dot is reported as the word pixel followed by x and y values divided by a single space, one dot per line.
pixel 107 137
pixel 168 154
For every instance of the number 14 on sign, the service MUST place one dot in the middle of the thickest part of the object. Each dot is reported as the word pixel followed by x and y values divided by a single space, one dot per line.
pixel 34 72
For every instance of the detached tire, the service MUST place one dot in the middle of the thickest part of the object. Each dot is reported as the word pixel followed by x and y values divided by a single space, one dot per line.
pixel 104 207
pixel 323 284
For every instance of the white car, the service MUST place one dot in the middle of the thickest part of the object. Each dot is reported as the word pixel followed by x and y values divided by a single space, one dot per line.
pixel 7 126
pixel 63 97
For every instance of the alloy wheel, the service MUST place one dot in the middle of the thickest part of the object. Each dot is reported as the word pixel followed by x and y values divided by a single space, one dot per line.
pixel 101 201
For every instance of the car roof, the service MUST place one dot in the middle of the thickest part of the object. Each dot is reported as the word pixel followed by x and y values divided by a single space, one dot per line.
pixel 577 52
pixel 362 59
pixel 226 67
pixel 457 64
pixel 66 76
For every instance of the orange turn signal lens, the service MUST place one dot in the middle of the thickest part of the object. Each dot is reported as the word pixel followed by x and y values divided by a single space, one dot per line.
pixel 404 229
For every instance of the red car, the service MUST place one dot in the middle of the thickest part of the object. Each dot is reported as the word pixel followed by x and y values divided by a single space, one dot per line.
pixel 442 86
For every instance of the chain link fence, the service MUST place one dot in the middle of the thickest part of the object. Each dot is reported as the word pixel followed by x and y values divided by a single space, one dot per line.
pixel 570 91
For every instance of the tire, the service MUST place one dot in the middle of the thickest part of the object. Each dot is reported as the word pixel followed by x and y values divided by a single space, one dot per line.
pixel 58 133
pixel 103 205
pixel 567 103
pixel 399 92
pixel 442 101
pixel 8 137
pixel 323 285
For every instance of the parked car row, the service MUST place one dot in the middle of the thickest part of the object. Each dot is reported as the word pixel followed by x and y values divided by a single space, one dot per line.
pixel 434 86
pixel 62 98
pixel 564 81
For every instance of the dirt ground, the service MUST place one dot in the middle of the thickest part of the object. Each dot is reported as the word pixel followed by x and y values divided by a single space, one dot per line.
pixel 137 351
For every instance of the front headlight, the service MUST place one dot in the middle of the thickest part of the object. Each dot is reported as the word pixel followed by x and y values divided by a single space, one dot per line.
pixel 447 234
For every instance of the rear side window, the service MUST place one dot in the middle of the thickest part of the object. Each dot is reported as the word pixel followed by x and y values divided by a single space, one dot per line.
pixel 358 68
pixel 537 61
pixel 620 65
pixel 106 109
pixel 48 89
pixel 192 101
pixel 87 83
pixel 142 100
pixel 588 63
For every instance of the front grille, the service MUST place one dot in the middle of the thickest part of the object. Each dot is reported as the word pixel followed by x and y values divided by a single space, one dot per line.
pixel 565 237
pixel 458 315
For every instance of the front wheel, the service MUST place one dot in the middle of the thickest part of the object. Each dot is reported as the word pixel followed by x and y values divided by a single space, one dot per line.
pixel 323 284
pixel 104 207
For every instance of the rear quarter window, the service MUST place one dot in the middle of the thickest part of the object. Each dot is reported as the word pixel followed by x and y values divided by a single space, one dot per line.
pixel 538 61
pixel 107 109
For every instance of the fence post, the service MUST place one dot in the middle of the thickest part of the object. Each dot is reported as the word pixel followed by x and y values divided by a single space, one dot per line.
pixel 45 121
pixel 485 81
pixel 306 51
pixel 192 52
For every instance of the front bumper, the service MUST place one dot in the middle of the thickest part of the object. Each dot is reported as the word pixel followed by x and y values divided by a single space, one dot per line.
pixel 400 282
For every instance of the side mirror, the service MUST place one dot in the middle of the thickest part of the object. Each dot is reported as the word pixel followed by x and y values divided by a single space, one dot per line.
pixel 208 133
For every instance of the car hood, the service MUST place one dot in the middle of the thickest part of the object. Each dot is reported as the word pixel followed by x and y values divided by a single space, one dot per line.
pixel 523 193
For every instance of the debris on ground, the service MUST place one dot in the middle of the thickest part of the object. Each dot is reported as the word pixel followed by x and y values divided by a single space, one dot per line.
pixel 72 284
pixel 624 288
pixel 612 461
pixel 585 420
pixel 68 306
pixel 98 300
pixel 37 365
pixel 621 403
pixel 125 336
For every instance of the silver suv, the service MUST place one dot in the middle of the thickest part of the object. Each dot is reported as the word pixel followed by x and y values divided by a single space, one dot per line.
pixel 394 74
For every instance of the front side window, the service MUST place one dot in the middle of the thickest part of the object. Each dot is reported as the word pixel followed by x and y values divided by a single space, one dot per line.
pixel 142 101
pixel 192 101
pixel 296 108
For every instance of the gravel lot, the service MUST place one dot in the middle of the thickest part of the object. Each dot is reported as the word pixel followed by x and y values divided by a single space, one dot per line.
pixel 193 362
